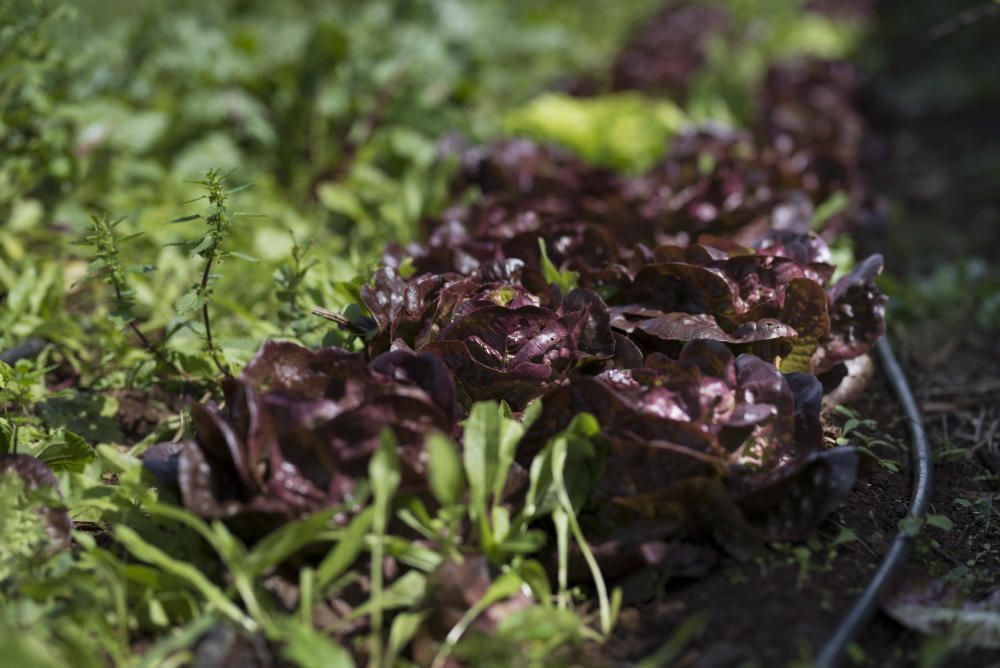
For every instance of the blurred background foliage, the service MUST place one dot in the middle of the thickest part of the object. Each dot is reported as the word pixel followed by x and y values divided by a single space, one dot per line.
pixel 934 108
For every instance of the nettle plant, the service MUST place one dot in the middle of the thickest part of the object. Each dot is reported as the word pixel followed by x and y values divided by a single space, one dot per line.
pixel 22 385
pixel 289 279
pixel 209 247
pixel 108 268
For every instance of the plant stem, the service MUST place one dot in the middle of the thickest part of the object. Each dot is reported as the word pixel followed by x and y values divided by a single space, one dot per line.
pixel 223 369
pixel 156 352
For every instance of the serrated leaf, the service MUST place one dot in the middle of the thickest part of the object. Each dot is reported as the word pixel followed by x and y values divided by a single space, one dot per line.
pixel 203 244
pixel 188 302
pixel 65 451
pixel 242 256
pixel 184 219
pixel 239 189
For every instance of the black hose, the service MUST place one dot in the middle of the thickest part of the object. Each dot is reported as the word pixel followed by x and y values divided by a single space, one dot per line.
pixel 902 545
pixel 24 350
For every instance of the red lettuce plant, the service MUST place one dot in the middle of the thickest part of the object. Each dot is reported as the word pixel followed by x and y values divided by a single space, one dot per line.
pixel 809 125
pixel 708 441
pixel 504 332
pixel 712 180
pixel 775 301
pixel 530 191
pixel 666 52
pixel 299 427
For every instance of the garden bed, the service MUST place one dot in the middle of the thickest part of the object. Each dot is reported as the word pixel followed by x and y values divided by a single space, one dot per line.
pixel 544 394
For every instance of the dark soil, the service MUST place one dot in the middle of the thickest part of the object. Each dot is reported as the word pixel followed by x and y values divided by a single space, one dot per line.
pixel 141 412
pixel 937 119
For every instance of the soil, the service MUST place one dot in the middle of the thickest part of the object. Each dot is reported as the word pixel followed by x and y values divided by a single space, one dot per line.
pixel 141 411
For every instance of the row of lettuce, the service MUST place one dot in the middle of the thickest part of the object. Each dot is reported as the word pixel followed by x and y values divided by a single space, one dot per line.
pixel 659 338
pixel 569 290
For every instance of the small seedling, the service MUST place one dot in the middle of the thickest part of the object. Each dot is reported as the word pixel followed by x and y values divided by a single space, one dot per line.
pixel 290 279
pixel 866 435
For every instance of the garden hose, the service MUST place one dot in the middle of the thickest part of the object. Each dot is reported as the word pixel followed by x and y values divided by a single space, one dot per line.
pixel 24 350
pixel 865 606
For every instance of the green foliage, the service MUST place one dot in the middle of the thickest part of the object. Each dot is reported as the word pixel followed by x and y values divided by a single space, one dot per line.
pixel 35 135
pixel 870 439
pixel 491 437
pixel 625 130
pixel 22 385
pixel 952 294
pixel 333 112
pixel 565 279
pixel 289 279
pixel 629 132
pixel 561 478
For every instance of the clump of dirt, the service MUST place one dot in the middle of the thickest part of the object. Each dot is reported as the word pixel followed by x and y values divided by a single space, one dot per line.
pixel 142 411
